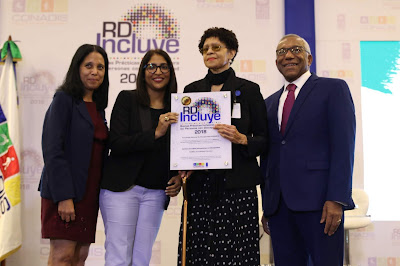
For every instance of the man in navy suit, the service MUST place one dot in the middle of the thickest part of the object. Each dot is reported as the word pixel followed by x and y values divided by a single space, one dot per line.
pixel 309 164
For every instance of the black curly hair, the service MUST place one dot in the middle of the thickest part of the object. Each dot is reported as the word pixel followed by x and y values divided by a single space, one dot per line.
pixel 227 37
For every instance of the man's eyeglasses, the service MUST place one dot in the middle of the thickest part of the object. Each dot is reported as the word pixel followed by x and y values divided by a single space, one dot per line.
pixel 214 47
pixel 293 50
pixel 152 68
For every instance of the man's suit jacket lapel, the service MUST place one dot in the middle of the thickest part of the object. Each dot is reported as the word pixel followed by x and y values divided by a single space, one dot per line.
pixel 301 98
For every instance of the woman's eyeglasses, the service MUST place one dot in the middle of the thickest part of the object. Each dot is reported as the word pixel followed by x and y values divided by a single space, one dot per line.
pixel 152 68
pixel 215 48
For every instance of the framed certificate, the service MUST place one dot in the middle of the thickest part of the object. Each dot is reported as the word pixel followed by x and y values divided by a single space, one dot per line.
pixel 195 144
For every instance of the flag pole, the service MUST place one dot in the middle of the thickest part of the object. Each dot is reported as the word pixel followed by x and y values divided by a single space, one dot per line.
pixel 184 223
pixel 3 262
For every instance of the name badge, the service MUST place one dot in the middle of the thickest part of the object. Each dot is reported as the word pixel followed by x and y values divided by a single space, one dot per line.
pixel 236 111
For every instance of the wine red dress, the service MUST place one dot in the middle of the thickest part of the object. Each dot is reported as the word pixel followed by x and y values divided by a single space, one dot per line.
pixel 83 229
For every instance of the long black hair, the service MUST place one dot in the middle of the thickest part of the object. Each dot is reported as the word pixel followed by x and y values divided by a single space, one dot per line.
pixel 73 85
pixel 172 87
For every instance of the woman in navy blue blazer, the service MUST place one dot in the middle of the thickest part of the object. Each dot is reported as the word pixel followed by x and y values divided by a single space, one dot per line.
pixel 73 141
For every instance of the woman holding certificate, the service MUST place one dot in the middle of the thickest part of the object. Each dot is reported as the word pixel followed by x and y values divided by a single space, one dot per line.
pixel 137 183
pixel 223 208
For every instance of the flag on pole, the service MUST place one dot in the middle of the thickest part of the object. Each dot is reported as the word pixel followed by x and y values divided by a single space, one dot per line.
pixel 10 178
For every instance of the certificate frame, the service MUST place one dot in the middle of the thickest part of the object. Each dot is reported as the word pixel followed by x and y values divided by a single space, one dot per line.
pixel 195 144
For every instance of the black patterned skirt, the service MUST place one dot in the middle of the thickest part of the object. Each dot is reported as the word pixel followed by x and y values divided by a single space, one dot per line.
pixel 222 225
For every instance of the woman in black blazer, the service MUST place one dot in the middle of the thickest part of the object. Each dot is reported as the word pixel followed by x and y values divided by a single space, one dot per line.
pixel 137 183
pixel 73 141
pixel 223 208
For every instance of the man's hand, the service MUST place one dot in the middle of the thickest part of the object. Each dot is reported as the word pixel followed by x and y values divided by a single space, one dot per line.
pixel 332 216
pixel 264 222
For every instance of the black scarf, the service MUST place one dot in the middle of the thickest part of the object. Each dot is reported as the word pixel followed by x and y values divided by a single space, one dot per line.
pixel 220 78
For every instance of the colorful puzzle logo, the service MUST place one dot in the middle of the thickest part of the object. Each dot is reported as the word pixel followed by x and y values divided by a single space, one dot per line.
pixel 215 3
pixel 200 165
pixel 39 11
pixel 152 19
pixel 247 66
pixel 40 6
pixel 378 20
pixel 207 103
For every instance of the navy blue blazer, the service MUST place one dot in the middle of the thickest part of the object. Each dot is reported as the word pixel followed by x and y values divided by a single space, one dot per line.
pixel 313 161
pixel 67 140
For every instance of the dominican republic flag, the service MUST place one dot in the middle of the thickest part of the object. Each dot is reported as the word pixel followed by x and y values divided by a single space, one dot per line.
pixel 10 178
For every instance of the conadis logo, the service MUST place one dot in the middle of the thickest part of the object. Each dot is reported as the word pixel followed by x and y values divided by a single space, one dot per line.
pixel 39 11
pixel 141 28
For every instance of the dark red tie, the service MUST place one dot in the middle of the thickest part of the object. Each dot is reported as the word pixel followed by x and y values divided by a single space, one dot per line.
pixel 287 106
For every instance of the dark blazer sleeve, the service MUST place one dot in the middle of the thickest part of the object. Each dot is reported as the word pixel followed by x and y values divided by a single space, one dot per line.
pixel 57 176
pixel 257 136
pixel 342 129
pixel 126 135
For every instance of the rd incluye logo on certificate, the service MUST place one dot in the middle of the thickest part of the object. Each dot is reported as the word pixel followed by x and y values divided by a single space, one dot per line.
pixel 195 144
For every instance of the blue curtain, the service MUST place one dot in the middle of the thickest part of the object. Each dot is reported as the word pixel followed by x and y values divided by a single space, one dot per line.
pixel 300 20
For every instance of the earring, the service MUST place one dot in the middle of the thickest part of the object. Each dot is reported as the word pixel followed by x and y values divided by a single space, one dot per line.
pixel 230 61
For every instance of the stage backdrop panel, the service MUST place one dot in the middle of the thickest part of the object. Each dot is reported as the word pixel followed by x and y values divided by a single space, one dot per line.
pixel 48 33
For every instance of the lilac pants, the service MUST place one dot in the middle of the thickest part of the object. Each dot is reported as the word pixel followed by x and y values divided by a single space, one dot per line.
pixel 131 219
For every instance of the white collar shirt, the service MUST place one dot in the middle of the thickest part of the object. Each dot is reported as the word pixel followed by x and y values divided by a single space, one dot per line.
pixel 299 84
